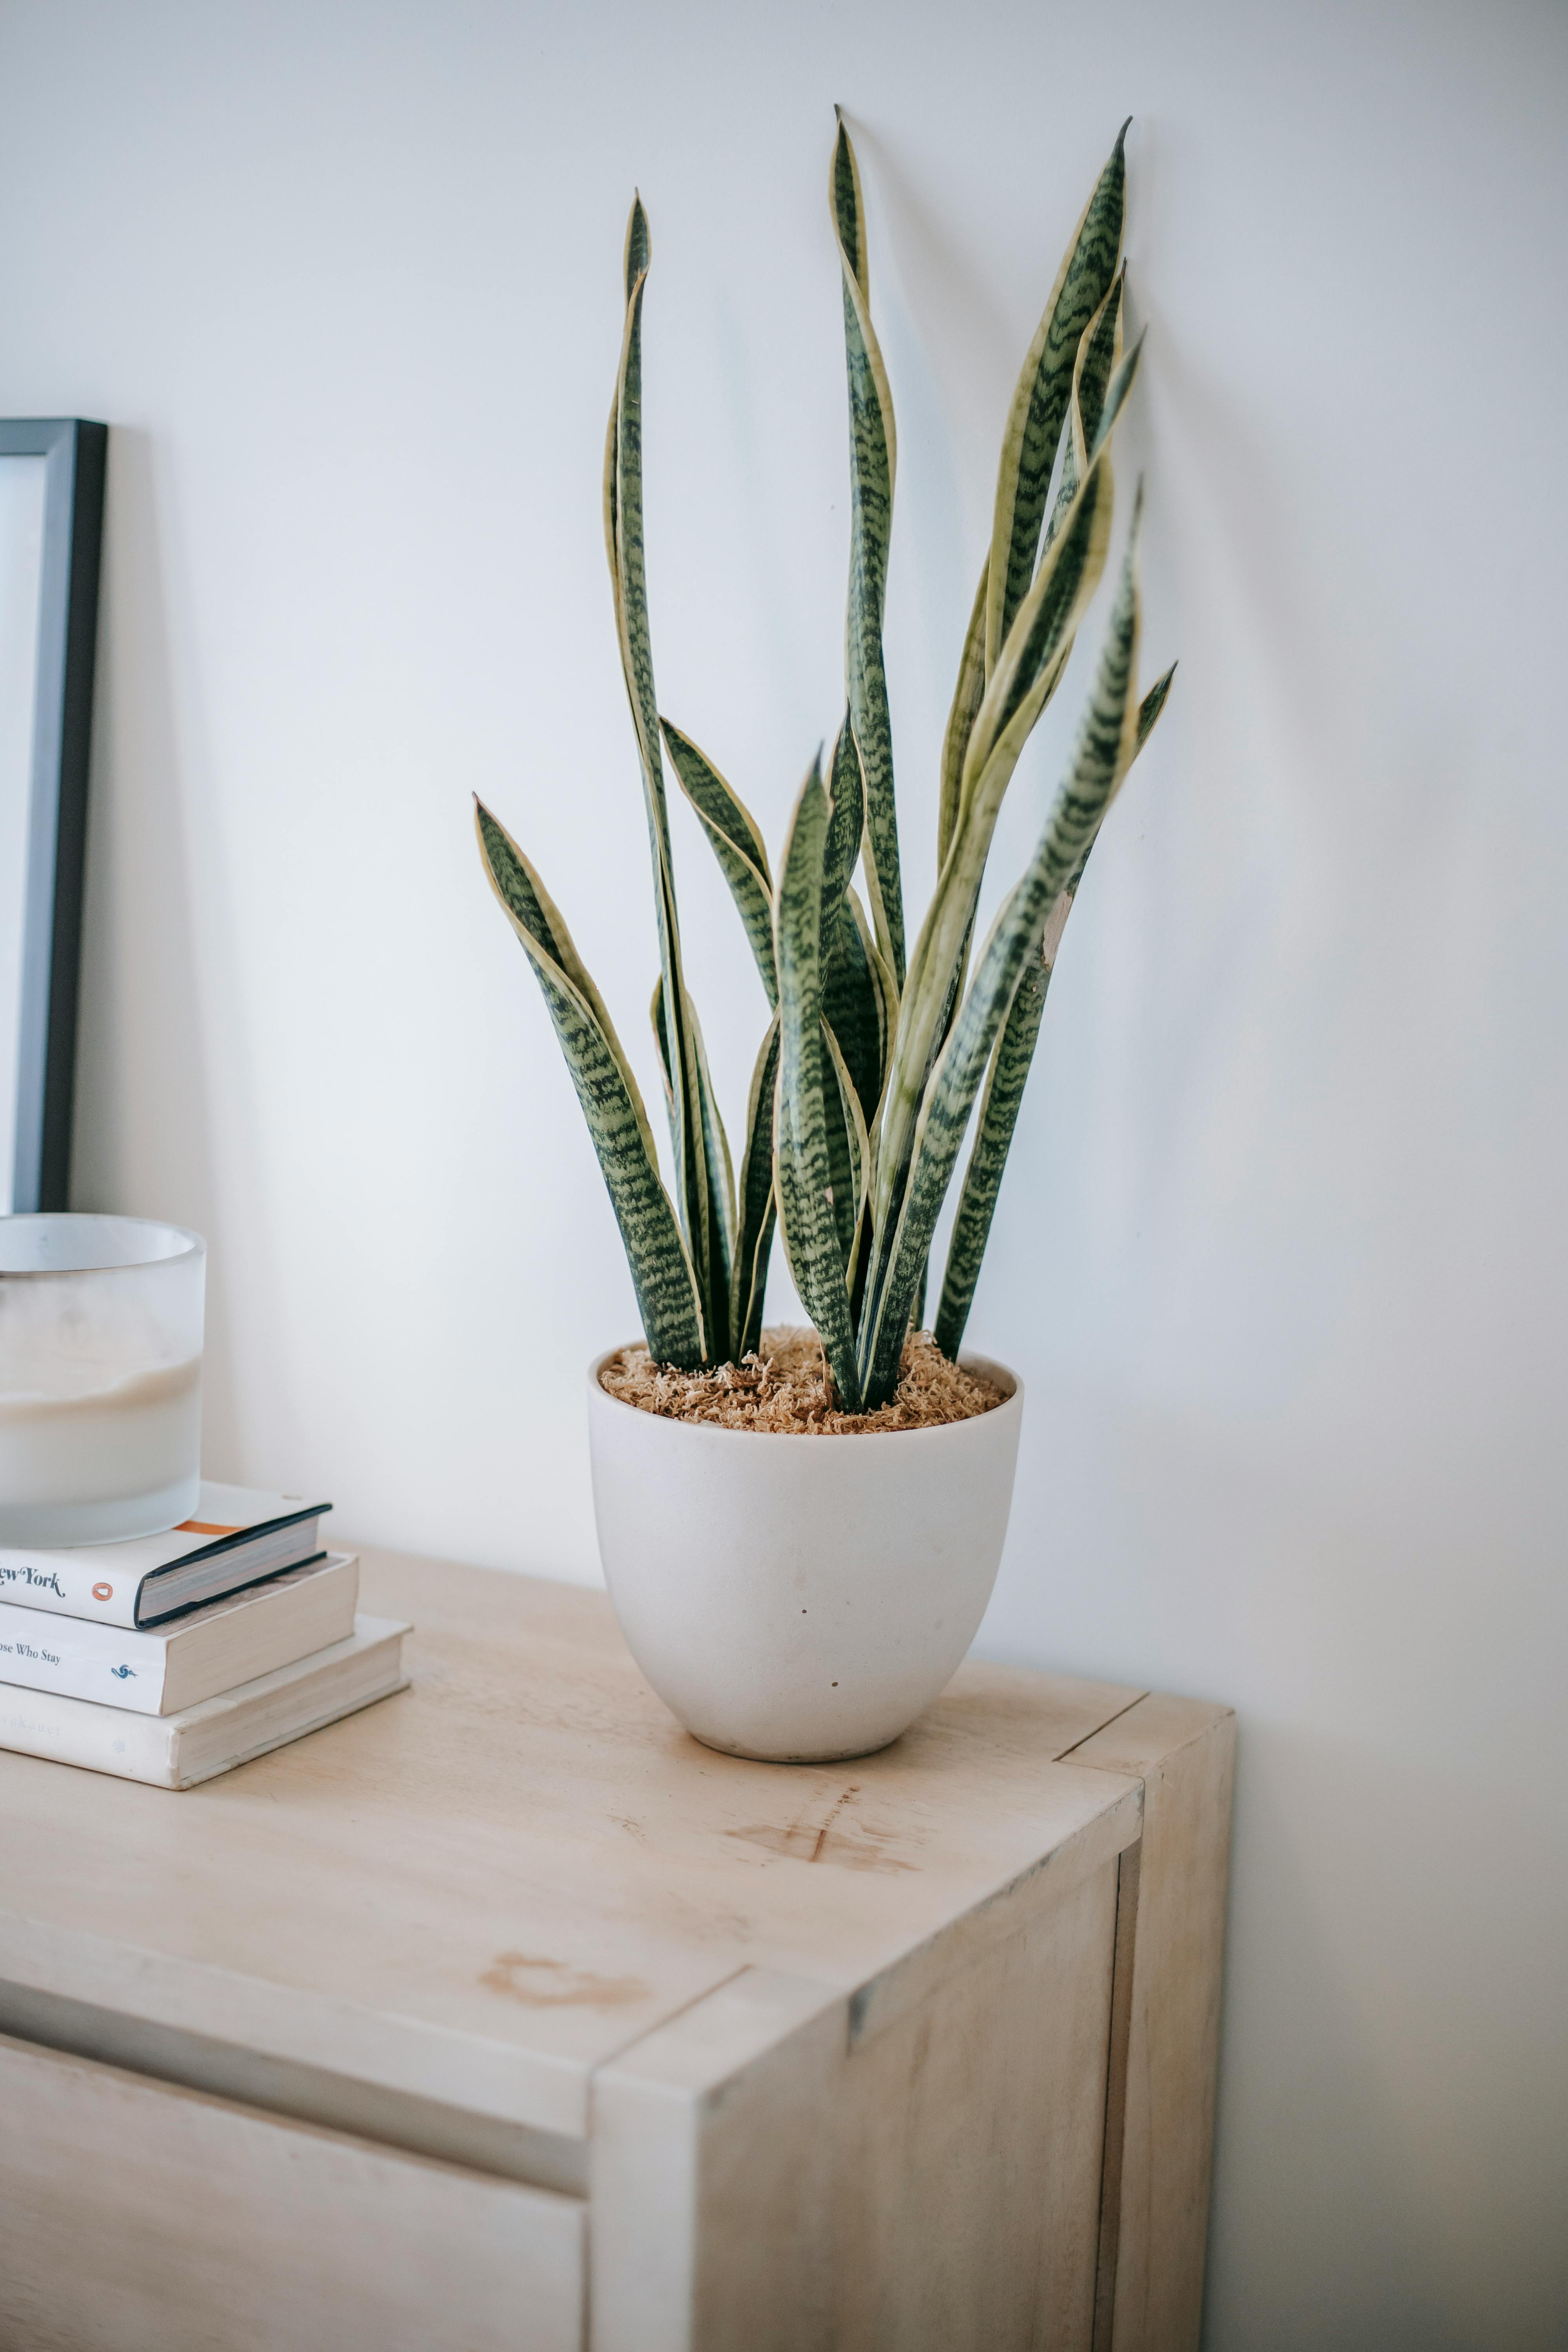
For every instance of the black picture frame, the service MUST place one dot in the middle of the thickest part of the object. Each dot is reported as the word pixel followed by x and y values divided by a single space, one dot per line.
pixel 74 452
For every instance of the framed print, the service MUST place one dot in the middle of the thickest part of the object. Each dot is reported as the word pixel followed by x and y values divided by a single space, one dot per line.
pixel 51 529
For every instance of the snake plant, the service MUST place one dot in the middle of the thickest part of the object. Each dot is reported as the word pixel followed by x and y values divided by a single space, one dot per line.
pixel 876 1051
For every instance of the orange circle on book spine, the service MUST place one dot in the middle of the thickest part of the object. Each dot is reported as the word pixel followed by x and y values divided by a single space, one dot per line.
pixel 103 1592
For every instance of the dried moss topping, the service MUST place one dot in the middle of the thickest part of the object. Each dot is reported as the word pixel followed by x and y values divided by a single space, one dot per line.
pixel 783 1389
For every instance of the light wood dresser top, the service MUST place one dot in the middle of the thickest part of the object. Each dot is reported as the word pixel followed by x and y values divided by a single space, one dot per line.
pixel 476 1892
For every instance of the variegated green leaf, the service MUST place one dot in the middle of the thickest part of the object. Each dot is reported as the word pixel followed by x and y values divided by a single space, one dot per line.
pixel 1022 683
pixel 845 829
pixel 737 844
pixel 853 976
pixel 661 1039
pixel 758 1207
pixel 1042 630
pixel 720 1178
pixel 854 1008
pixel 847 1215
pixel 994 1135
pixel 802 1173
pixel 1040 402
pixel 1037 667
pixel 662 1275
pixel 1098 359
pixel 1106 745
pixel 1153 702
pixel 842 1164
pixel 1004 1091
pixel 721 1175
pixel 873 462
pixel 967 698
pixel 703 1212
pixel 885 986
pixel 624 529
pixel 1099 356
pixel 533 913
pixel 847 1149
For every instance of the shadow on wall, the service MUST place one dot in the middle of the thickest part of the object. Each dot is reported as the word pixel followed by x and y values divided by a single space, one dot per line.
pixel 1360 2197
pixel 1394 1913
pixel 143 1146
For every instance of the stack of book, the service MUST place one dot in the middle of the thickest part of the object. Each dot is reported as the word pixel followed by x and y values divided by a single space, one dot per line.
pixel 177 1657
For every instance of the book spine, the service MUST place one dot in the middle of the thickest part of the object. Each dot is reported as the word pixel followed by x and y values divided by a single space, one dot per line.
pixel 90 1592
pixel 76 1661
pixel 101 1739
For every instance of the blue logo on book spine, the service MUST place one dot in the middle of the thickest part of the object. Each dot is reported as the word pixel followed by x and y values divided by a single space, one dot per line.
pixel 124 1671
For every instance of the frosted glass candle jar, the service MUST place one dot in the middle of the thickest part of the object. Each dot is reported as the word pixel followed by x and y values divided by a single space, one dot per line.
pixel 101 1378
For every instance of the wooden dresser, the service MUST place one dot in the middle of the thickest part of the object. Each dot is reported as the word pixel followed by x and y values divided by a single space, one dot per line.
pixel 504 2015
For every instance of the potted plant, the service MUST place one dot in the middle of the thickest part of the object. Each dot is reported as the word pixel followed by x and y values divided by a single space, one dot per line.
pixel 800 1537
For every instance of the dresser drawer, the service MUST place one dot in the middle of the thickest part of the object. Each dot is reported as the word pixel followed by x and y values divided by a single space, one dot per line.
pixel 138 2217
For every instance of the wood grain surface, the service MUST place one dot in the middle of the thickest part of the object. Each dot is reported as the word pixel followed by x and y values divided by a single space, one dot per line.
pixel 478 1891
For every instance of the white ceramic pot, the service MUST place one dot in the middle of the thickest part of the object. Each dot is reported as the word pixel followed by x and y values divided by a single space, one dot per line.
pixel 800 1598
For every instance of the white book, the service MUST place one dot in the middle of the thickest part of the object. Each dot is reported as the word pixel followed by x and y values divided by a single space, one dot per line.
pixel 175 1751
pixel 191 1658
pixel 236 1535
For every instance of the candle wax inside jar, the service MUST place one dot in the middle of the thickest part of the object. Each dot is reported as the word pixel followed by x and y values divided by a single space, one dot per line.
pixel 94 1436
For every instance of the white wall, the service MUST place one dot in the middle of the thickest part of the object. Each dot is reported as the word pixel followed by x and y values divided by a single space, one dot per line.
pixel 1281 1251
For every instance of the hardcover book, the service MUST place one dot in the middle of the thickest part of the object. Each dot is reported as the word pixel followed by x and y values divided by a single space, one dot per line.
pixel 175 1751
pixel 237 1536
pixel 162 1669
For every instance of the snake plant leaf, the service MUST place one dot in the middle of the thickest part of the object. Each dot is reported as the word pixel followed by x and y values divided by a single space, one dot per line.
pixel 661 1039
pixel 662 1275
pixel 1044 624
pixel 994 1135
pixel 1042 632
pixel 855 1121
pixel 1098 364
pixel 1004 1092
pixel 843 1165
pixel 737 843
pixel 623 520
pixel 873 463
pixel 885 987
pixel 703 1209
pixel 802 1175
pixel 721 1174
pixel 531 909
pixel 1098 359
pixel 845 828
pixel 1153 702
pixel 758 1207
pixel 847 1214
pixel 1107 743
pixel 1040 402
pixel 1045 628
pixel 855 1009
pixel 1020 686
pixel 968 695
pixel 639 247
pixel 851 1002
pixel 1043 635
pixel 720 1178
